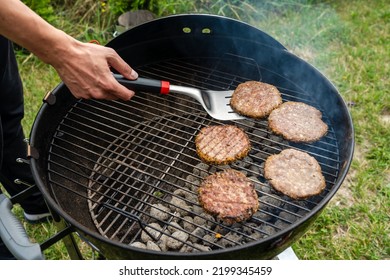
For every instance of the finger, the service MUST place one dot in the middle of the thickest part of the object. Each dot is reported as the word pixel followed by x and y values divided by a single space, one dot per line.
pixel 120 91
pixel 121 66
pixel 124 93
pixel 110 97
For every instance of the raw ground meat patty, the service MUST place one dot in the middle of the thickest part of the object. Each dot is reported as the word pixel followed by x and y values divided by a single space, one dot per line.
pixel 222 144
pixel 297 122
pixel 255 99
pixel 229 195
pixel 294 173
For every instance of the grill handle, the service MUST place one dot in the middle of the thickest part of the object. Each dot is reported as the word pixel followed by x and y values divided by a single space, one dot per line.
pixel 14 235
pixel 144 84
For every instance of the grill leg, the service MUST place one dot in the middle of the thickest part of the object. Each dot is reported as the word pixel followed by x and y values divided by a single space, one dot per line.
pixel 69 241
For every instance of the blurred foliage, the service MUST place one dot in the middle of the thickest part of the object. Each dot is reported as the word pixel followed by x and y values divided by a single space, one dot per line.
pixel 49 9
pixel 95 19
pixel 88 10
pixel 44 8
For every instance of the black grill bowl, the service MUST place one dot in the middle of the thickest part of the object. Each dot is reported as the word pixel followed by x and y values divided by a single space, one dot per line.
pixel 90 157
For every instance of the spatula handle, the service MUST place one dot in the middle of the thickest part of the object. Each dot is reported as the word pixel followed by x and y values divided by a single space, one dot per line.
pixel 144 84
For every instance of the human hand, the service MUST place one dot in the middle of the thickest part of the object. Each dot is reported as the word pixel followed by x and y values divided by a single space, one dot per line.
pixel 85 70
pixel 83 67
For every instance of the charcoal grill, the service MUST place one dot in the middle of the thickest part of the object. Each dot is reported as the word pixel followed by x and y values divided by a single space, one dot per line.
pixel 107 167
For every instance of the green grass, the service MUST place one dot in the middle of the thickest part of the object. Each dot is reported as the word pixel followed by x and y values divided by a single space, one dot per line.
pixel 349 42
pixel 354 54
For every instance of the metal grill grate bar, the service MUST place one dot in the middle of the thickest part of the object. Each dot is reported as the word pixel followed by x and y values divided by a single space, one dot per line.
pixel 319 154
pixel 263 139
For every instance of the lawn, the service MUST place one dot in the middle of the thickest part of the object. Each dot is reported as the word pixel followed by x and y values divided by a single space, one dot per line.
pixel 349 42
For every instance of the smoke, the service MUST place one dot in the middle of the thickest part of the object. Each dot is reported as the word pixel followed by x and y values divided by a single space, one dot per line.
pixel 307 28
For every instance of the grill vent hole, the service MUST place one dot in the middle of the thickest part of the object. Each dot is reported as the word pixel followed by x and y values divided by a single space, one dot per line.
pixel 187 30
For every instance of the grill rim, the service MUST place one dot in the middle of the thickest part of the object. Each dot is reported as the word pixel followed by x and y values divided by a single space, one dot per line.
pixel 60 95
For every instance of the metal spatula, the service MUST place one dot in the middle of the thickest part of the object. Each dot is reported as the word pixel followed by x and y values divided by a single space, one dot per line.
pixel 216 103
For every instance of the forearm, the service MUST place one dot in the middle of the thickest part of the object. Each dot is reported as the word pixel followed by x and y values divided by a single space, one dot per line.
pixel 85 68
pixel 24 27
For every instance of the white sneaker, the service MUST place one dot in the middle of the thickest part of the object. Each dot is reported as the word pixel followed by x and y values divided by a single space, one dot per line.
pixel 37 218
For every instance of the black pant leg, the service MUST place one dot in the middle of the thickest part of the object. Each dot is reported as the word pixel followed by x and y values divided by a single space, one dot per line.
pixel 12 145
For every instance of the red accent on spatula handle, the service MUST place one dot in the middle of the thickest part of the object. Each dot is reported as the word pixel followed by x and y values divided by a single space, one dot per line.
pixel 144 84
pixel 164 87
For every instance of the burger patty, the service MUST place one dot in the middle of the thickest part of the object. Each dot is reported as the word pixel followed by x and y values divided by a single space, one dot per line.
pixel 294 173
pixel 297 122
pixel 222 144
pixel 255 99
pixel 229 195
